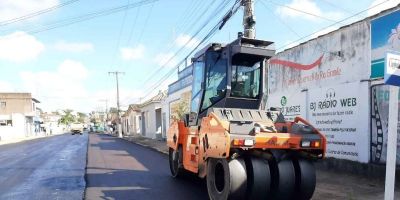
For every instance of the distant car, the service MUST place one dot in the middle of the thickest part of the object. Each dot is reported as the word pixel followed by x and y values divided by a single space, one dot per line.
pixel 77 128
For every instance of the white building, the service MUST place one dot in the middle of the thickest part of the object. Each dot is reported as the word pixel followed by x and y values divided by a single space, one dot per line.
pixel 335 82
pixel 17 116
pixel 150 120
pixel 131 120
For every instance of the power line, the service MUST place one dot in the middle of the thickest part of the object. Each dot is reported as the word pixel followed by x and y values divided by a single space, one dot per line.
pixel 301 11
pixel 179 24
pixel 336 6
pixel 281 20
pixel 290 28
pixel 119 36
pixel 145 24
pixel 218 26
pixel 173 43
pixel 358 13
pixel 219 9
pixel 37 13
pixel 85 17
pixel 133 26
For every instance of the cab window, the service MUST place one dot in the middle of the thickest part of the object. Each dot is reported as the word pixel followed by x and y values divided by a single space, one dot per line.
pixel 198 71
pixel 246 81
pixel 216 81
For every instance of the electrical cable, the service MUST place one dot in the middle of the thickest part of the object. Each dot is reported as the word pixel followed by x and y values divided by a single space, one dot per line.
pixel 133 27
pixel 119 37
pixel 37 13
pixel 217 27
pixel 182 48
pixel 336 6
pixel 280 19
pixel 331 25
pixel 301 11
pixel 145 24
pixel 85 17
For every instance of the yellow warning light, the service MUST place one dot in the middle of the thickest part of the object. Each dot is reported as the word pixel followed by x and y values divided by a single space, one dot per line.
pixel 316 144
pixel 238 142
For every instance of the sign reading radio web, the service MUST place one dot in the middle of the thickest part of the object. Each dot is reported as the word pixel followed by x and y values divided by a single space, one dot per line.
pixel 392 69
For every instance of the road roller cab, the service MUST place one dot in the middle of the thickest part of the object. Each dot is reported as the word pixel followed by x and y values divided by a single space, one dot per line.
pixel 245 152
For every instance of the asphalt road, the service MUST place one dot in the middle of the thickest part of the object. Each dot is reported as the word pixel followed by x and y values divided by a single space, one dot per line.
pixel 118 169
pixel 46 168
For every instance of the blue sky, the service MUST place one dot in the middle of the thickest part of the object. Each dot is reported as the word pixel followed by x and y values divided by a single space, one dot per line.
pixel 68 67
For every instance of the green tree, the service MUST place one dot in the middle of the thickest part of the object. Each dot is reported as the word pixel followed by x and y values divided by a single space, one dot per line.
pixel 181 109
pixel 81 117
pixel 67 117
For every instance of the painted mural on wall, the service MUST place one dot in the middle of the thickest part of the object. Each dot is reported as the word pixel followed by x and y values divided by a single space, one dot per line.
pixel 385 36
pixel 338 57
pixel 379 124
pixel 321 81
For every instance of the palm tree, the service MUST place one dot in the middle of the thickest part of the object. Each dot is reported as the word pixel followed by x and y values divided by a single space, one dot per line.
pixel 67 117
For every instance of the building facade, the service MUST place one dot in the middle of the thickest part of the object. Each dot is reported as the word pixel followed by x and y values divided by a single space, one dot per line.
pixel 18 112
pixel 150 119
pixel 335 81
pixel 131 120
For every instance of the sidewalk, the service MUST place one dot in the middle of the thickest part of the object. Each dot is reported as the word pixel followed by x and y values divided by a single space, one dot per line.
pixel 331 184
pixel 15 140
pixel 158 145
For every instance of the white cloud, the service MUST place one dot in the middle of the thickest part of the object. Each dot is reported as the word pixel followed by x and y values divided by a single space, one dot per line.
pixel 58 89
pixel 74 47
pixel 383 6
pixel 20 47
pixel 187 41
pixel 132 53
pixel 73 69
pixel 166 59
pixel 307 6
pixel 10 9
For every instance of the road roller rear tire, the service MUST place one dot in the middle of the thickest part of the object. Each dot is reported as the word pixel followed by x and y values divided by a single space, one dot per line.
pixel 285 180
pixel 226 180
pixel 305 179
pixel 175 158
pixel 259 179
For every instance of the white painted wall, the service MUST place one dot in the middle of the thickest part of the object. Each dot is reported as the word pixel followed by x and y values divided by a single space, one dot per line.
pixel 150 119
pixel 331 95
pixel 19 128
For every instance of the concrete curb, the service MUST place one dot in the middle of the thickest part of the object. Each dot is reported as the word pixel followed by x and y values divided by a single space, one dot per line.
pixel 148 146
pixel 329 164
pixel 145 145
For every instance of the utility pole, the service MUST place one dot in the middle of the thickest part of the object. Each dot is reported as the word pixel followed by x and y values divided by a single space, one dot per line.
pixel 249 20
pixel 116 73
